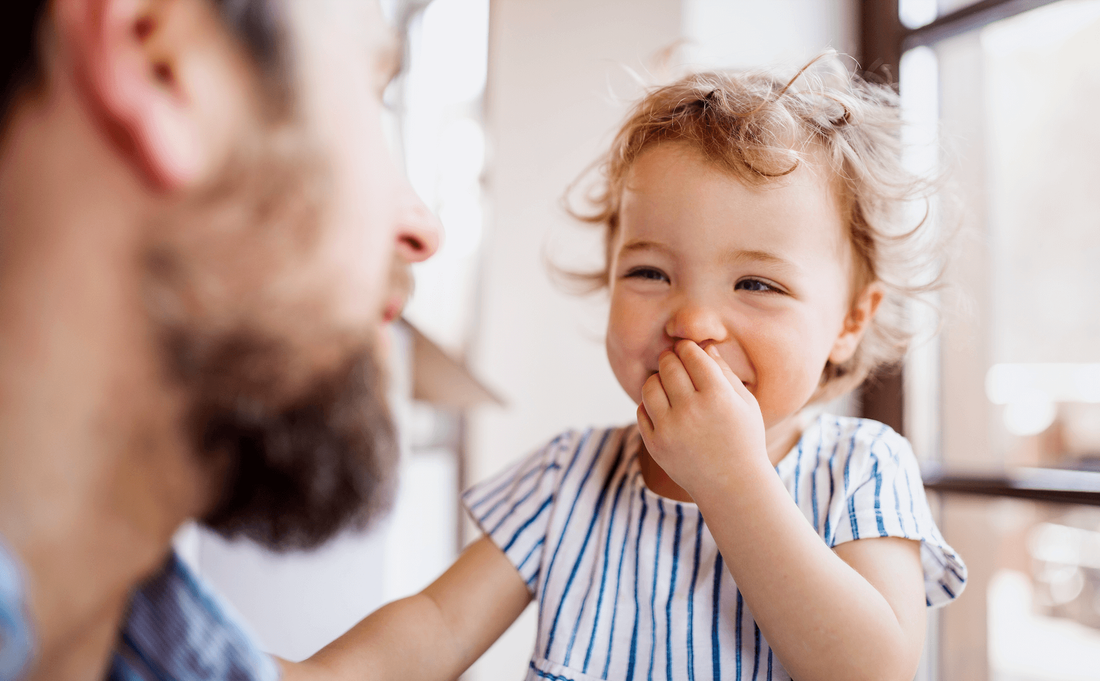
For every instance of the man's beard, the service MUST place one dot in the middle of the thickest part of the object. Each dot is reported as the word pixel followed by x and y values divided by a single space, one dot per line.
pixel 297 473
pixel 305 446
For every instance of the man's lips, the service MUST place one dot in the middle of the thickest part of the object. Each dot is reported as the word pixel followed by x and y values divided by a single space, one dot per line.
pixel 400 288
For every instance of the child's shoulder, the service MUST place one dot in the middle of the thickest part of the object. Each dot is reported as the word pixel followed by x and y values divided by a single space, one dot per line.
pixel 853 438
pixel 830 428
pixel 565 462
pixel 590 436
pixel 585 444
pixel 851 457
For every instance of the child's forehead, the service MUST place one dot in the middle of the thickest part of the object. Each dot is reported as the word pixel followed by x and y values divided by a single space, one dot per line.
pixel 808 168
pixel 659 170
pixel 674 192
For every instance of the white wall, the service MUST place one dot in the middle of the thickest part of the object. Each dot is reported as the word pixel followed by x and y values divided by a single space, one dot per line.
pixel 296 604
pixel 558 85
pixel 743 33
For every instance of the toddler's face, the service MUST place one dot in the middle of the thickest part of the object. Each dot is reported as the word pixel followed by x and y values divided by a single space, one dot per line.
pixel 761 272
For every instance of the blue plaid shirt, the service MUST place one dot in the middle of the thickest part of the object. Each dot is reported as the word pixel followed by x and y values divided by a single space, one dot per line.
pixel 16 644
pixel 176 630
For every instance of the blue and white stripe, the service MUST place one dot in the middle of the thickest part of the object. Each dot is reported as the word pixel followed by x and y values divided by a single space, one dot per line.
pixel 631 586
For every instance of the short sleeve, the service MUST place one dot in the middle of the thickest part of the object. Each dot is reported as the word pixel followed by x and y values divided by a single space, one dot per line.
pixel 884 497
pixel 514 507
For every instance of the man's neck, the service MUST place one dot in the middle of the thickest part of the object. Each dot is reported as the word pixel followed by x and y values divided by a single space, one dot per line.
pixel 93 477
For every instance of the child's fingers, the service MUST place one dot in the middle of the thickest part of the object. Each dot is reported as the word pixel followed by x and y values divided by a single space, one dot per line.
pixel 674 377
pixel 654 398
pixel 703 372
pixel 727 372
pixel 712 351
pixel 645 424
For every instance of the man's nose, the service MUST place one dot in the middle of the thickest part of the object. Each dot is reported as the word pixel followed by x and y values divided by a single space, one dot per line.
pixel 418 230
pixel 696 321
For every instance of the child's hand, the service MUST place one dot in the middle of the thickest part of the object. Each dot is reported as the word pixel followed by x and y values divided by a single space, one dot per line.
pixel 698 420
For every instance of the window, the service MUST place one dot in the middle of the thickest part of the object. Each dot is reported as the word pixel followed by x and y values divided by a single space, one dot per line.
pixel 1005 407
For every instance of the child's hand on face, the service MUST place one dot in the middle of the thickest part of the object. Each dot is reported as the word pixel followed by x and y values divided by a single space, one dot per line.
pixel 697 419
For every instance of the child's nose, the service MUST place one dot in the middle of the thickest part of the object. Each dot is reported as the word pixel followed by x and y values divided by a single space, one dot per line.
pixel 697 322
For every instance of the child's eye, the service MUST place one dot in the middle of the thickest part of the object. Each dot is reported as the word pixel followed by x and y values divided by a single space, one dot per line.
pixel 647 273
pixel 757 286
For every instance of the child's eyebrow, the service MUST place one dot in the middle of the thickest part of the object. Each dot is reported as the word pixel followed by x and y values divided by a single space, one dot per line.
pixel 733 257
pixel 763 257
pixel 643 245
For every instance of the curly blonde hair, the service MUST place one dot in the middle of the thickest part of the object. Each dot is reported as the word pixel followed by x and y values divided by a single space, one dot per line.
pixel 760 127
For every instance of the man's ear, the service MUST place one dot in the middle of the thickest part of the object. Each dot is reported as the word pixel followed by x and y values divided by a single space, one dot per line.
pixel 134 67
pixel 856 323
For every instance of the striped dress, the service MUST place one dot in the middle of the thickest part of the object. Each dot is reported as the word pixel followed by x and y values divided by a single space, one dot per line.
pixel 631 585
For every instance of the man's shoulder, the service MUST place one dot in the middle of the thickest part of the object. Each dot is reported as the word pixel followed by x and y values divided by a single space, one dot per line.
pixel 177 627
pixel 16 638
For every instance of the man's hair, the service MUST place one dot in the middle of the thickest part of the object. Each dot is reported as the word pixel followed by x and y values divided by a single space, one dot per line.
pixel 760 127
pixel 257 23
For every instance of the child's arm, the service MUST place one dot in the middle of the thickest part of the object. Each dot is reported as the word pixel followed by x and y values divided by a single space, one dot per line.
pixel 435 634
pixel 854 613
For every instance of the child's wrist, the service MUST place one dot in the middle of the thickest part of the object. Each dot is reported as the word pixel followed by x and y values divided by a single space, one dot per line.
pixel 732 486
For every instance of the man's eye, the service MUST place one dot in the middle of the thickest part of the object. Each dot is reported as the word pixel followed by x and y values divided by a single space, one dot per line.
pixel 647 273
pixel 756 285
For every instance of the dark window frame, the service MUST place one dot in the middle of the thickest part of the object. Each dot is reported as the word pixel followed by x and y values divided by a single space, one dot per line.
pixel 883 40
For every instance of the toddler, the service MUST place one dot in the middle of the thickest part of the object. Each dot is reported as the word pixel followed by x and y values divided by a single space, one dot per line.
pixel 757 266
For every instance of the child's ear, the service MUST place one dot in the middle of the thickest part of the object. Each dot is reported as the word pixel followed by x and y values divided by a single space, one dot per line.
pixel 856 323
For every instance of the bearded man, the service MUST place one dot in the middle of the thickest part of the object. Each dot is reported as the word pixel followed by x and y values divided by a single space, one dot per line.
pixel 201 236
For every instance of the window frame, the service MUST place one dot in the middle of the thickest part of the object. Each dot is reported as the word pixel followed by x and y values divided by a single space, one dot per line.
pixel 883 39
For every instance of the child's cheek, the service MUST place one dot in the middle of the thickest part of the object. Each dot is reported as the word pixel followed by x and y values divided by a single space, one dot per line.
pixel 629 346
pixel 788 368
pixel 621 366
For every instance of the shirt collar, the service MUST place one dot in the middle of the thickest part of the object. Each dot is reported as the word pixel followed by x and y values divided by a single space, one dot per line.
pixel 178 628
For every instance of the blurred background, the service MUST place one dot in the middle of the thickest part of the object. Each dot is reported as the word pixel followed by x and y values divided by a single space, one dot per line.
pixel 504 103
